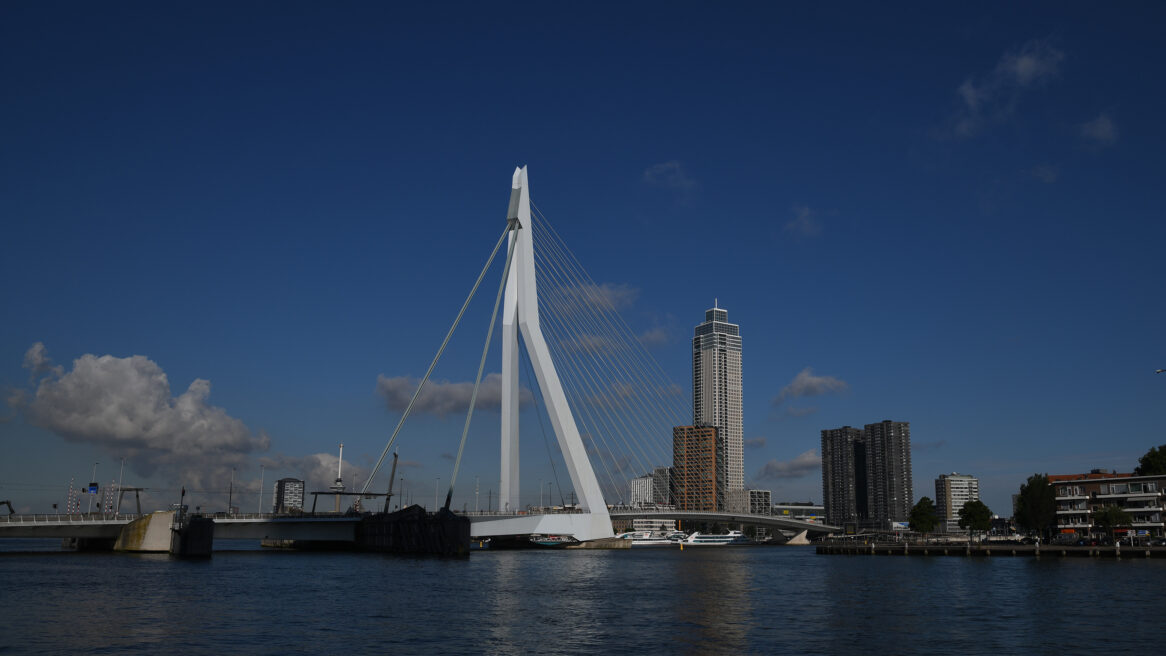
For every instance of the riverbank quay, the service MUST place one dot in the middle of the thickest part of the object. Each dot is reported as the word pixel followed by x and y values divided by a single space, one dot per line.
pixel 986 550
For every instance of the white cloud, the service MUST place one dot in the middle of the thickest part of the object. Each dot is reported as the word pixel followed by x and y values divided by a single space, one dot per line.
pixel 805 222
pixel 584 343
pixel 755 442
pixel 607 297
pixel 1045 173
pixel 654 337
pixel 807 384
pixel 440 398
pixel 124 405
pixel 670 175
pixel 994 96
pixel 799 467
pixel 1100 130
pixel 1035 61
pixel 38 363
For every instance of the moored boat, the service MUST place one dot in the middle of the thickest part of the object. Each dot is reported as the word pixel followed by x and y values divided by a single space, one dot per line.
pixel 648 539
pixel 732 538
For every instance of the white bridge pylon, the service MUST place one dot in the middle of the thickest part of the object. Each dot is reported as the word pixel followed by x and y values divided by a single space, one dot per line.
pixel 520 315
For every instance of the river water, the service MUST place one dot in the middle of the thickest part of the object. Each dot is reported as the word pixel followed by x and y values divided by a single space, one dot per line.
pixel 759 600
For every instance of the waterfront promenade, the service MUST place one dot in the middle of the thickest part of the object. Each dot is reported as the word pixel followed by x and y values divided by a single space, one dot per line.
pixel 986 549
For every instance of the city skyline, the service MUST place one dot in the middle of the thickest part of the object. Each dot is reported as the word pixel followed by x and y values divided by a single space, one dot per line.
pixel 244 233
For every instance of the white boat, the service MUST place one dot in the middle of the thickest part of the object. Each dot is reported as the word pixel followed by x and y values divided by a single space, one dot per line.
pixel 707 540
pixel 648 539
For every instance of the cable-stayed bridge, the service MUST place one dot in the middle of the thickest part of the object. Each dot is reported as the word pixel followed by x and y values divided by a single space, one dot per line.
pixel 610 405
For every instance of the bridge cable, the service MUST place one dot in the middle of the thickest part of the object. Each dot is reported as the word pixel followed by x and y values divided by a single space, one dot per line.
pixel 628 360
pixel 437 357
pixel 584 377
pixel 617 364
pixel 598 397
pixel 481 367
pixel 581 377
pixel 570 379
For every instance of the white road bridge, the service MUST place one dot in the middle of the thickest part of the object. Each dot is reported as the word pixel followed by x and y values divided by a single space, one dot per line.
pixel 342 528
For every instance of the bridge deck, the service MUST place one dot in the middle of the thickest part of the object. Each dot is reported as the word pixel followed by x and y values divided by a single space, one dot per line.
pixel 333 527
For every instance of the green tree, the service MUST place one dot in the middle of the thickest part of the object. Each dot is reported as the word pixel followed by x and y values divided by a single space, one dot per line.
pixel 975 516
pixel 923 518
pixel 1036 505
pixel 1153 463
pixel 1110 517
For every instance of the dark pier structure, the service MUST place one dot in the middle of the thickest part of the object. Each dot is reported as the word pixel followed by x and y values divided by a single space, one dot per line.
pixel 988 550
pixel 412 530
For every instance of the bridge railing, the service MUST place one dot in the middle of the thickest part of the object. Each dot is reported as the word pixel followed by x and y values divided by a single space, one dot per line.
pixel 520 513
pixel 71 518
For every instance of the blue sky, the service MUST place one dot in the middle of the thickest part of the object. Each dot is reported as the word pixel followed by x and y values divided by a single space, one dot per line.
pixel 949 216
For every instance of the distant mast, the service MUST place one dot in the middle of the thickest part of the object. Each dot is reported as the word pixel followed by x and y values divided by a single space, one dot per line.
pixel 338 486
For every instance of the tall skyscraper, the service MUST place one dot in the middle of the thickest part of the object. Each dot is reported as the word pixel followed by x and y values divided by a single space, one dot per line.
pixel 716 395
pixel 952 491
pixel 694 470
pixel 866 474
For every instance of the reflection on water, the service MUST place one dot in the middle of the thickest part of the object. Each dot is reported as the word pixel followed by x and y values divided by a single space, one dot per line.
pixel 713 600
pixel 715 585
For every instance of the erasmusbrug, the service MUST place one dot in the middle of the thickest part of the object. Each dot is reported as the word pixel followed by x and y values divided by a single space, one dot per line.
pixel 609 403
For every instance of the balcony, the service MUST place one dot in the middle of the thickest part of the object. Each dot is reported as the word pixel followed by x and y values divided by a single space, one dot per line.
pixel 1075 511
pixel 1128 495
pixel 1072 497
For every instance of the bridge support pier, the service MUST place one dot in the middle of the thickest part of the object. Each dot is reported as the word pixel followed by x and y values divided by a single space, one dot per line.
pixel 163 532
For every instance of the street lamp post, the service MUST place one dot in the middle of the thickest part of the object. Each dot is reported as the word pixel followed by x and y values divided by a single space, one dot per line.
pixel 120 474
pixel 92 492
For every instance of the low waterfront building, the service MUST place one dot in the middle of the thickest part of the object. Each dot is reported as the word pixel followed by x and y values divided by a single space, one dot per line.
pixel 805 511
pixel 662 486
pixel 289 495
pixel 952 491
pixel 650 524
pixel 751 502
pixel 641 490
pixel 1080 496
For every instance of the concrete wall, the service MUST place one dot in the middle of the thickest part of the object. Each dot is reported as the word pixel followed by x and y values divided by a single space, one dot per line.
pixel 150 533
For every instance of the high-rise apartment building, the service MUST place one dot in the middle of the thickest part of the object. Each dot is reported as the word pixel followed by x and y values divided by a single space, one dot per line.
pixel 952 491
pixel 716 395
pixel 289 495
pixel 844 475
pixel 888 467
pixel 866 474
pixel 694 468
